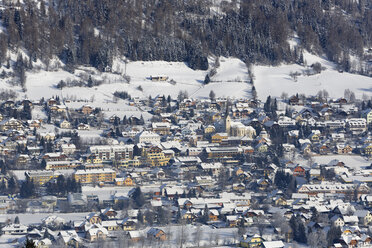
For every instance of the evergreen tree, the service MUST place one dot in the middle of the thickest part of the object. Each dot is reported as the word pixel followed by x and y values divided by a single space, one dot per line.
pixel 333 235
pixel 298 229
pixel 267 105
pixel 207 79
pixel 138 197
pixel 125 120
pixel 30 243
pixel 212 95
pixel 140 216
pixel 27 189
pixel 205 215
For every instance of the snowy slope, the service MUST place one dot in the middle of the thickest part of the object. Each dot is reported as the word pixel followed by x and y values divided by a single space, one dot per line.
pixel 275 80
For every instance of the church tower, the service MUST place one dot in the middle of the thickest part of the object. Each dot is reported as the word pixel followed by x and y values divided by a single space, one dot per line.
pixel 227 124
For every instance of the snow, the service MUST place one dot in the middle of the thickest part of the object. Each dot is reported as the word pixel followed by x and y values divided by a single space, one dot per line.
pixel 274 81
pixel 353 161
pixel 35 218
pixel 230 80
pixel 231 70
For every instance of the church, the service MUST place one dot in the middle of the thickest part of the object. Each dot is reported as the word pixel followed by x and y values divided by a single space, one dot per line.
pixel 238 129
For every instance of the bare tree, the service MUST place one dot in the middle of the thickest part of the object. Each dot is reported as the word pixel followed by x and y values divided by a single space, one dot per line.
pixel 317 239
pixel 198 235
pixel 182 235
pixel 284 96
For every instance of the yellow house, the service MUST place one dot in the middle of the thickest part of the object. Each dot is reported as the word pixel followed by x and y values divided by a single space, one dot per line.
pixel 111 225
pixel 209 129
pixel 135 162
pixel 93 159
pixel 216 117
pixel 367 148
pixel 155 156
pixel 218 137
pixel 368 116
pixel 128 181
pixel 128 224
pixel 40 177
pixel 238 171
pixel 367 218
pixel 314 137
pixel 261 147
pixel 249 242
pixel 280 201
pixel 95 176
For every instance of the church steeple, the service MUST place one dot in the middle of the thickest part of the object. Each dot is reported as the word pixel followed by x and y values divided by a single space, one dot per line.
pixel 227 124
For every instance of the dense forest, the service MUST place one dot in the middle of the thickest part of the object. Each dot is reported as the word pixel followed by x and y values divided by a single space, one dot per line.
pixel 93 32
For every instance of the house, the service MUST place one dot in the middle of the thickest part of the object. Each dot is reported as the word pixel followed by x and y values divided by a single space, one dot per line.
pixel 155 156
pixel 250 242
pixel 34 123
pixel 218 137
pixel 159 78
pixel 15 229
pixel 364 216
pixel 367 149
pixel 108 213
pixel 43 243
pixel 209 129
pixel 344 149
pixel 125 181
pixel 261 147
pixel 147 137
pixel 128 224
pixel 86 109
pixel 111 225
pixel 162 128
pixel 112 152
pixel 337 221
pixel 232 220
pixel 367 114
pixel 294 100
pixel 135 236
pixel 104 175
pixel 40 177
pixel 65 124
pixel 213 215
pixel 69 238
pixel 93 218
pixel 96 233
pixel 273 244
pixel 11 124
pixel 83 126
pixel 156 233
pixel 68 148
pixel 299 171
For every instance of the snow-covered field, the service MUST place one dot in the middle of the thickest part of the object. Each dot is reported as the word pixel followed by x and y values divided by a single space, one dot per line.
pixel 36 218
pixel 276 80
pixel 229 81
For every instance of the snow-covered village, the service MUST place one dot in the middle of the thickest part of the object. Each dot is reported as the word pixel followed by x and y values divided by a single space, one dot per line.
pixel 186 123
pixel 101 169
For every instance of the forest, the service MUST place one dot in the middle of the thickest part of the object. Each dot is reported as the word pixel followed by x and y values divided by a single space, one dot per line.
pixel 93 32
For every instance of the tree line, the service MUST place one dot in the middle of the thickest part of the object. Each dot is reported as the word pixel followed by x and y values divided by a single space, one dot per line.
pixel 93 32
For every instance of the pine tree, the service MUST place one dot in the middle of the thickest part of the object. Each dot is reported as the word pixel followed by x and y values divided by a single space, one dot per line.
pixel 333 235
pixel 29 243
pixel 212 95
pixel 138 197
pixel 207 79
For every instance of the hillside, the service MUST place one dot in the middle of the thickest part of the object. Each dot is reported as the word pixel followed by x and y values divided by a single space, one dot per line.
pixel 95 32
